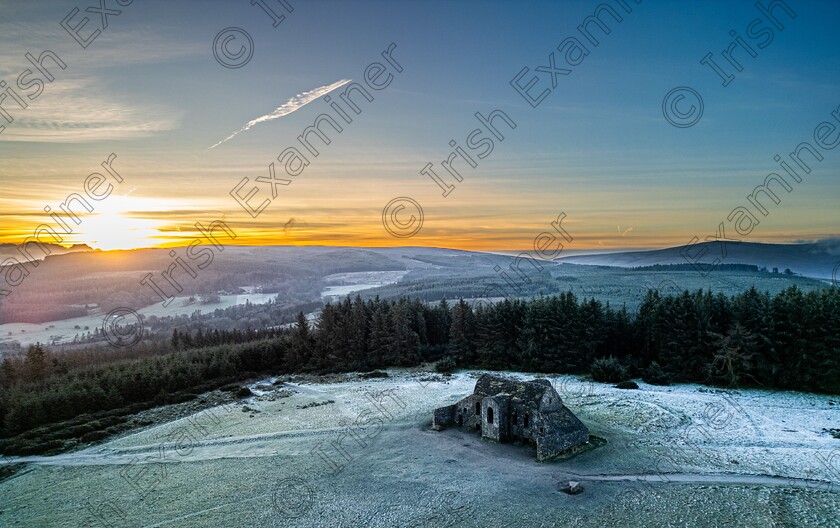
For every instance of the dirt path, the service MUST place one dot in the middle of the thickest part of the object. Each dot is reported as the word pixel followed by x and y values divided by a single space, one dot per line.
pixel 699 478
pixel 168 452
pixel 199 513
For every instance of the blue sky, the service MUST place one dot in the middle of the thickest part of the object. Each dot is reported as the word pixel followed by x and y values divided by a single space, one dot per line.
pixel 597 148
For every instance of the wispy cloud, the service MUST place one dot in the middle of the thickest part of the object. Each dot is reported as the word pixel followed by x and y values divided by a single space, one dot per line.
pixel 144 45
pixel 288 107
pixel 75 110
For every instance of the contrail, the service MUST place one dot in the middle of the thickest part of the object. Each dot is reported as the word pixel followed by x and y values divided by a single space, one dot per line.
pixel 288 107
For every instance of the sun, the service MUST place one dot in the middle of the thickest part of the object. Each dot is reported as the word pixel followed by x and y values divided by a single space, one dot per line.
pixel 123 222
pixel 112 230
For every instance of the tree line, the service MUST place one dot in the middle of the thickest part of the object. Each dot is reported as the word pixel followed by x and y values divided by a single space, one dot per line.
pixel 786 341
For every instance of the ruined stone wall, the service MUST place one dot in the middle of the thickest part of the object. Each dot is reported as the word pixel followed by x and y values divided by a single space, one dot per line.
pixel 465 411
pixel 498 430
pixel 549 446
pixel 443 417
pixel 517 429
pixel 550 401
pixel 557 435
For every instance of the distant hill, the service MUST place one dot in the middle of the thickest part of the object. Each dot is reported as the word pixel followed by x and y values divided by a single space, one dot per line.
pixel 11 250
pixel 818 260
pixel 84 283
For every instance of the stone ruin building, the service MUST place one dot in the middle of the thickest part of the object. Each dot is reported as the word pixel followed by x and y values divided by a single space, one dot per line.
pixel 506 410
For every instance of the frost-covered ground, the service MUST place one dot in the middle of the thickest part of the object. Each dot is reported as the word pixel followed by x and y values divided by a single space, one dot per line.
pixel 342 284
pixel 63 331
pixel 360 453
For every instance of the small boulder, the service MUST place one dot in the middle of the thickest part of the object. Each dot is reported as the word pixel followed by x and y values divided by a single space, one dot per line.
pixel 572 488
pixel 627 385
pixel 374 374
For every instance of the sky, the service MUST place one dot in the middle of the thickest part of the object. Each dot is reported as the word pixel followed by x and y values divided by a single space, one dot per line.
pixel 187 130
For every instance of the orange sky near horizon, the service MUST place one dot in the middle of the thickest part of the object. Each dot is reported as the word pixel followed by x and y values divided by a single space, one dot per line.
pixel 111 229
pixel 485 219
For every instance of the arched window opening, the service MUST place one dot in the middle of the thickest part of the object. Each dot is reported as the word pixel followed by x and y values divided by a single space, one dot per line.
pixel 489 415
pixel 478 408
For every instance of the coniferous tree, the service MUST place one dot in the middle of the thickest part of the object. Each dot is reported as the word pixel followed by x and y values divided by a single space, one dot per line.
pixel 198 339
pixel 822 312
pixel 36 361
pixel 441 325
pixel 380 336
pixel 418 321
pixel 358 335
pixel 462 334
pixel 751 309
pixel 325 336
pixel 619 341
pixel 8 374
pixel 789 338
pixel 404 340
pixel 301 344
pixel 648 327
pixel 593 335
pixel 186 340
pixel 529 339
pixel 680 349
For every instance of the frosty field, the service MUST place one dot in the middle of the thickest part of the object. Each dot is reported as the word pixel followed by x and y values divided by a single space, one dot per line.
pixel 360 452
pixel 63 331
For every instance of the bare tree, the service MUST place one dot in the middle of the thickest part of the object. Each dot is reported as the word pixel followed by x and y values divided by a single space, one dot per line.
pixel 734 358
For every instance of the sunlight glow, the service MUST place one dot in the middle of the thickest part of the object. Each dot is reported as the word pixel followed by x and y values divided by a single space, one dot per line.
pixel 108 231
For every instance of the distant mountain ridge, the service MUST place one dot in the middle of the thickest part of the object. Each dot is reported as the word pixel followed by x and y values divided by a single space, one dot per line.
pixel 8 250
pixel 818 260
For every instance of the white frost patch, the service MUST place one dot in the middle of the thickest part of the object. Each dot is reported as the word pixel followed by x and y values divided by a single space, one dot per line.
pixel 342 284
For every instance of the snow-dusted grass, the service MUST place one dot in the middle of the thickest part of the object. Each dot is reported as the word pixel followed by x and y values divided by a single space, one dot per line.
pixel 343 284
pixel 369 458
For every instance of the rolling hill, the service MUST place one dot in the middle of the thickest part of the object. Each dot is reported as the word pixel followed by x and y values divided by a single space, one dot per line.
pixel 817 260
